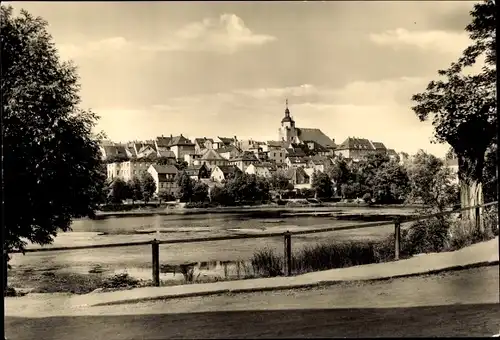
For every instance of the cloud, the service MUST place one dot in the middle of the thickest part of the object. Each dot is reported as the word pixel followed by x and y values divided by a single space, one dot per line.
pixel 376 110
pixel 226 34
pixel 435 41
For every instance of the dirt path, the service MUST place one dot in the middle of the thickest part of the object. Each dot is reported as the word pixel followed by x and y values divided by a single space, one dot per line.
pixel 462 303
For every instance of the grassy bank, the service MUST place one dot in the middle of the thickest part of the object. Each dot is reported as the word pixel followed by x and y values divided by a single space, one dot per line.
pixel 433 235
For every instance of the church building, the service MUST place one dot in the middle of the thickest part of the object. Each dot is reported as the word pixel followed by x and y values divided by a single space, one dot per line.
pixel 289 133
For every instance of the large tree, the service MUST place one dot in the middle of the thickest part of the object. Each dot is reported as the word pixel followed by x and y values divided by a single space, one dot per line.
pixel 279 182
pixel 462 105
pixel 322 185
pixel 339 172
pixel 52 171
pixel 148 186
pixel 134 189
pixel 184 191
pixel 431 182
pixel 390 183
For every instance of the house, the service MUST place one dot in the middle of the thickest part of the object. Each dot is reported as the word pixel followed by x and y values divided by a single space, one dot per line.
pixel 191 158
pixel 229 152
pixel 355 148
pixel 299 178
pixel 211 158
pixel 296 162
pixel 380 148
pixel 140 149
pixel 203 143
pixel 168 155
pixel 393 155
pixel 128 169
pixel 295 152
pixel 244 160
pixel 145 150
pixel 163 142
pixel 164 177
pixel 221 142
pixel 224 172
pixel 258 170
pixel 113 151
pixel 275 145
pixel 198 172
pixel 277 155
pixel 181 146
pixel 319 163
pixel 250 145
pixel 318 149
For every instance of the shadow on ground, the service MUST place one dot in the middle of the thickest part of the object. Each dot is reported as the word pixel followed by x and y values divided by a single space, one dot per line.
pixel 450 320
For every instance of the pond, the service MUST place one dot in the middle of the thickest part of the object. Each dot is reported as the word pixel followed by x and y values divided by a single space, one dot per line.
pixel 223 258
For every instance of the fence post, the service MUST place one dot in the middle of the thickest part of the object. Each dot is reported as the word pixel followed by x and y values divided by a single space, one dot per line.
pixel 288 253
pixel 397 238
pixel 478 217
pixel 155 250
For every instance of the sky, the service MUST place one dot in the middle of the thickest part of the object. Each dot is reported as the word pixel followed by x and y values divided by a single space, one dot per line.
pixel 225 68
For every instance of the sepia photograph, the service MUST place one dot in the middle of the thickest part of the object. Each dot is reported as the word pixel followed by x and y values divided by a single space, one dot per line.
pixel 249 169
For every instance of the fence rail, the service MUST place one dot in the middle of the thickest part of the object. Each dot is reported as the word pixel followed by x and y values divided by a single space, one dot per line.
pixel 287 238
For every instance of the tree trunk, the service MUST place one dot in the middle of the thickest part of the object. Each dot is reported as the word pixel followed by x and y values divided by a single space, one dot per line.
pixel 471 194
pixel 470 172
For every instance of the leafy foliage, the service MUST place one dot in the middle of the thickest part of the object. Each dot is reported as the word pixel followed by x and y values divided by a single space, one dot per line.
pixel 462 104
pixel 340 173
pixel 221 196
pixel 490 175
pixel 390 183
pixel 322 185
pixel 164 161
pixel 431 182
pixel 200 192
pixel 165 195
pixel 119 191
pixel 181 165
pixel 134 189
pixel 184 187
pixel 52 166
pixel 279 182
pixel 148 186
pixel 244 187
pixel 115 159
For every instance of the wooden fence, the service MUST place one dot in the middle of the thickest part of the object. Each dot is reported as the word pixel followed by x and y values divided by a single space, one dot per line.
pixel 287 237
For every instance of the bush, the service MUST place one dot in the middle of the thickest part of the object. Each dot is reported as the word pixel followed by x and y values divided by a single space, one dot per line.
pixel 334 255
pixel 367 197
pixel 490 219
pixel 324 256
pixel 120 281
pixel 464 233
pixel 427 236
pixel 266 263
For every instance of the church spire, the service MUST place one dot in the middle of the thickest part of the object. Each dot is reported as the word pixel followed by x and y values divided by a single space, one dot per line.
pixel 287 111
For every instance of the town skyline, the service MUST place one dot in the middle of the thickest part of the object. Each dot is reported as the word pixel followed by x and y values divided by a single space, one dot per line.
pixel 225 69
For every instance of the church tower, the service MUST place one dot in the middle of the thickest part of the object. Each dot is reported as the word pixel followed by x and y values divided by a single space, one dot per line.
pixel 287 131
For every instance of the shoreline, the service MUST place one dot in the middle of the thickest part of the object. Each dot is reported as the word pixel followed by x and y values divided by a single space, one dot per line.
pixel 312 209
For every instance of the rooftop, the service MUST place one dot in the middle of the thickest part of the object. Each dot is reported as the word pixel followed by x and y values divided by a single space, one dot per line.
pixel 165 169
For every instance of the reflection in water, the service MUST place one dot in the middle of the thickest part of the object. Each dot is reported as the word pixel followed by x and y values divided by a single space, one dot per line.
pixel 222 269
